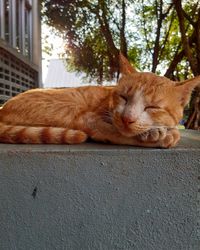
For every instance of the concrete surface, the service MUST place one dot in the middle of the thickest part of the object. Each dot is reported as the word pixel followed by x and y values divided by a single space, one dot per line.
pixel 96 196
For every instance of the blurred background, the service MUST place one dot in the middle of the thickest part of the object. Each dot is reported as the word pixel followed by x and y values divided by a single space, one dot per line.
pixel 51 43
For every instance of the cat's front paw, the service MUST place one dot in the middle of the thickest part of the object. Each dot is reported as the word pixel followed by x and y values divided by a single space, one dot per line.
pixel 160 137
pixel 171 139
pixel 153 135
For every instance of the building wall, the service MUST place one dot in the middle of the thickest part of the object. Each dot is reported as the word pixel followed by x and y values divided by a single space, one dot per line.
pixel 20 47
pixel 59 76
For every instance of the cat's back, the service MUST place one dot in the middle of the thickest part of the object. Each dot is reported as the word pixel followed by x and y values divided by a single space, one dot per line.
pixel 84 97
pixel 42 105
pixel 59 95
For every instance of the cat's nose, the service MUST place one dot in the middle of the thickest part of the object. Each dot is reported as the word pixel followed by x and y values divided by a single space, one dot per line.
pixel 128 120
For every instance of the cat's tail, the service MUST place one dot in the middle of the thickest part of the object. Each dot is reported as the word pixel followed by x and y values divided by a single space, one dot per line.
pixel 40 135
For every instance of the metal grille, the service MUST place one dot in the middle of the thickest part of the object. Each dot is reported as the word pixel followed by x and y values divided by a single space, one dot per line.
pixel 15 76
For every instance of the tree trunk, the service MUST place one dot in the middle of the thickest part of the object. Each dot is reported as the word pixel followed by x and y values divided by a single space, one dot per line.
pixel 193 121
pixel 123 42
pixel 185 40
pixel 156 48
pixel 177 58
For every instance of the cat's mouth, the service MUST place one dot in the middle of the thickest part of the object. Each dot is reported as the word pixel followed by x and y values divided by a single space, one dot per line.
pixel 130 132
pixel 131 129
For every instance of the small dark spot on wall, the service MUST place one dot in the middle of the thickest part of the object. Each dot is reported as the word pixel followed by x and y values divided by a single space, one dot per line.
pixel 102 164
pixel 34 192
pixel 198 177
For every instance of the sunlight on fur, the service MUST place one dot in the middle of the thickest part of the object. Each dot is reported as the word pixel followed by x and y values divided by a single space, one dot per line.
pixel 143 109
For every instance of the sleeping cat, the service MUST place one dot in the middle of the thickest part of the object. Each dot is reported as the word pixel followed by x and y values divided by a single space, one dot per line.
pixel 142 110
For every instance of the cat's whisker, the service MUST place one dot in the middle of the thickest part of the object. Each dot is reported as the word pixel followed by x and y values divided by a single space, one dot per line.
pixel 165 127
pixel 72 115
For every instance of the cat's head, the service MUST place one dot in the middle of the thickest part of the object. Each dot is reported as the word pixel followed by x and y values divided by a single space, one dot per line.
pixel 142 101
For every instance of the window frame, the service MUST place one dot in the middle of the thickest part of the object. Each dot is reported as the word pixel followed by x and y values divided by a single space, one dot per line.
pixel 25 29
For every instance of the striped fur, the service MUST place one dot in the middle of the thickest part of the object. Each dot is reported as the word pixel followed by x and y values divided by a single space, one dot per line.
pixel 40 135
pixel 142 110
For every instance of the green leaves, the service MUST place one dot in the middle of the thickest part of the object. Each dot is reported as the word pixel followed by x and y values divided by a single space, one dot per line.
pixel 149 33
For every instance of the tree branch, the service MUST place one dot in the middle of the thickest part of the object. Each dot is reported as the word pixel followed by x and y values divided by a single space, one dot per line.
pixel 177 58
pixel 167 35
pixel 106 29
pixel 198 40
pixel 186 46
pixel 168 10
pixel 190 18
pixel 145 30
pixel 123 42
pixel 156 48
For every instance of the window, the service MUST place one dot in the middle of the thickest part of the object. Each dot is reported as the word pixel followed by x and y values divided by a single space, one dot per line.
pixel 16 25
pixel 17 74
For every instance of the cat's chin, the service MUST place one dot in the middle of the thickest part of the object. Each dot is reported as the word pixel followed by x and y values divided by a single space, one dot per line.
pixel 132 133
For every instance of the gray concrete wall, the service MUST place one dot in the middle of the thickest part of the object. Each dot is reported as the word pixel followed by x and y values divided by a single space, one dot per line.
pixel 96 196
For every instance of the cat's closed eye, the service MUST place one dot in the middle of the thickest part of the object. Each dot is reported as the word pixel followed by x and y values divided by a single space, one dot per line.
pixel 123 97
pixel 151 108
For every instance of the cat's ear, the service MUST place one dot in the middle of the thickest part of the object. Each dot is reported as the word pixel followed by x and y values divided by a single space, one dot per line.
pixel 124 65
pixel 184 89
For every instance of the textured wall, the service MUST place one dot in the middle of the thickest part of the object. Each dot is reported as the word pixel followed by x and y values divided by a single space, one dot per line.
pixel 97 197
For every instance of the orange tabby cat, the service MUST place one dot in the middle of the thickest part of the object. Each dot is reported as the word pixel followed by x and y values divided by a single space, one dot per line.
pixel 142 110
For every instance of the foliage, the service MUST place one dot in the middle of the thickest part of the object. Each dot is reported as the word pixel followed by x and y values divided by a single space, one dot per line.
pixel 94 30
pixel 86 22
pixel 161 36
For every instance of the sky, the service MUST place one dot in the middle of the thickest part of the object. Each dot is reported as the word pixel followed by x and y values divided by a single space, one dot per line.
pixel 55 43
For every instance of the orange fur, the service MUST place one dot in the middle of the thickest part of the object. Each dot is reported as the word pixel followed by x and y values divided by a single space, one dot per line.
pixel 142 110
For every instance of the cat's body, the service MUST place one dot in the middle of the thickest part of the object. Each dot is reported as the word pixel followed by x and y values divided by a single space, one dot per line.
pixel 71 109
pixel 142 110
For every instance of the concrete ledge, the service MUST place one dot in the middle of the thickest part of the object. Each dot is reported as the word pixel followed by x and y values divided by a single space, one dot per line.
pixel 96 196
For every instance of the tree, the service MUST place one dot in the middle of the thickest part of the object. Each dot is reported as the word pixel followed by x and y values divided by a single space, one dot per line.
pixel 92 33
pixel 161 36
pixel 191 50
pixel 176 43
